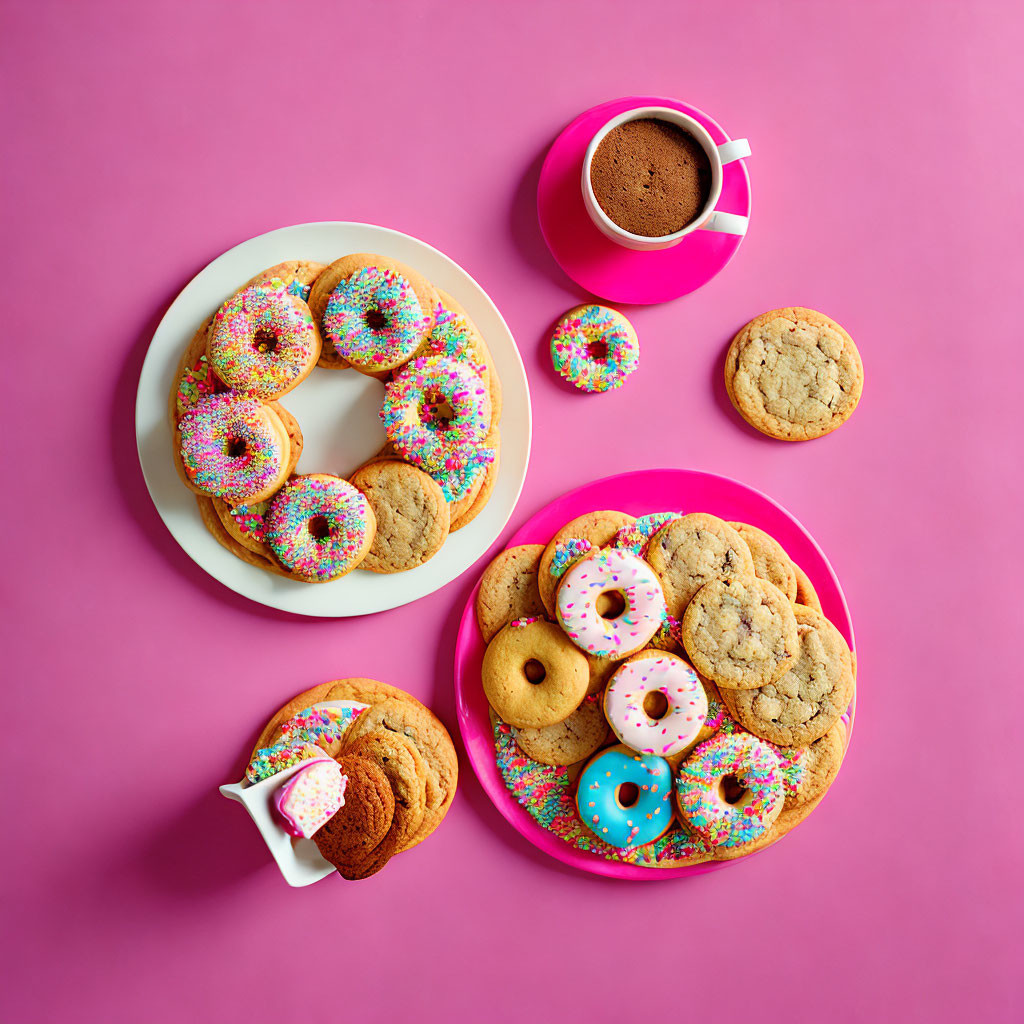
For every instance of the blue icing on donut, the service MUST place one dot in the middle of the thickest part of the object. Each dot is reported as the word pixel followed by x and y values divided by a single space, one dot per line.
pixel 296 287
pixel 598 797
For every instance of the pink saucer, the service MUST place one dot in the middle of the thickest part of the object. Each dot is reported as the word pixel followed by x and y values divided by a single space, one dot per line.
pixel 649 490
pixel 597 263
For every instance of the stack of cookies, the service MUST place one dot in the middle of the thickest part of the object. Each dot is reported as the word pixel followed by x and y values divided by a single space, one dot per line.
pixel 664 690
pixel 397 779
pixel 237 447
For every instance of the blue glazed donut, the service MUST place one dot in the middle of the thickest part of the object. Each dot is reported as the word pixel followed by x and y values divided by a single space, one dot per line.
pixel 604 798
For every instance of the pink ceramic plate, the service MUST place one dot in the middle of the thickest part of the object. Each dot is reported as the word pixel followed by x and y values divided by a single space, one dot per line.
pixel 649 490
pixel 597 263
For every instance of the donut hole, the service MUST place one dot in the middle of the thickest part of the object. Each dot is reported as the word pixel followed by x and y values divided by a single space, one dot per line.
pixel 627 794
pixel 319 528
pixel 235 448
pixel 610 604
pixel 375 320
pixel 265 340
pixel 437 411
pixel 534 671
pixel 598 350
pixel 731 790
pixel 656 705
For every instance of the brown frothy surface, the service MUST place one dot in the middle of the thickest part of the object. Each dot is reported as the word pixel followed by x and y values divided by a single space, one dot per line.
pixel 650 177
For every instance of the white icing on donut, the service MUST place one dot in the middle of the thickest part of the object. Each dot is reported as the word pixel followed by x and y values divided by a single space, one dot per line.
pixel 609 571
pixel 687 705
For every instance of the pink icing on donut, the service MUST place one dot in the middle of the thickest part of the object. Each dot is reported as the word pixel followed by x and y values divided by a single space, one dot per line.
pixel 678 683
pixel 606 571
pixel 311 797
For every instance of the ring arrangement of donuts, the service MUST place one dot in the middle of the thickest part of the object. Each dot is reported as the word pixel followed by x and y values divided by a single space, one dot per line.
pixel 359 767
pixel 664 690
pixel 237 447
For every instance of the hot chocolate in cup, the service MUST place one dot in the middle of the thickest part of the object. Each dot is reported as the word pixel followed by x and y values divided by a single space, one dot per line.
pixel 663 173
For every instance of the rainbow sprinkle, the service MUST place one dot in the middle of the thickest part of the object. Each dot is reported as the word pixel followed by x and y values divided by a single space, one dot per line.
pixel 567 554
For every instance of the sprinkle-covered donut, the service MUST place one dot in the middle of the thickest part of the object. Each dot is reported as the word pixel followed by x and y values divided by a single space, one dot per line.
pixel 634 536
pixel 731 788
pixel 319 527
pixel 270 760
pixel 452 337
pixel 263 341
pixel 323 725
pixel 595 348
pixel 448 448
pixel 684 704
pixel 608 572
pixel 624 797
pixel 567 554
pixel 374 319
pixel 233 448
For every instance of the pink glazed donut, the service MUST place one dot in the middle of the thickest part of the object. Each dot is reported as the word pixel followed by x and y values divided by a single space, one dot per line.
pixel 609 572
pixel 627 693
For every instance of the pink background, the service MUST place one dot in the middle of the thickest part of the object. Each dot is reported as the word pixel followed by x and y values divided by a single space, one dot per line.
pixel 141 140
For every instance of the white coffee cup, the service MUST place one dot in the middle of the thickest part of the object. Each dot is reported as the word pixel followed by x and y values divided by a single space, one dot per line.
pixel 709 219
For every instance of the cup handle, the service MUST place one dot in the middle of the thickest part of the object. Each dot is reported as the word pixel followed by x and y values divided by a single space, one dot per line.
pixel 727 223
pixel 734 150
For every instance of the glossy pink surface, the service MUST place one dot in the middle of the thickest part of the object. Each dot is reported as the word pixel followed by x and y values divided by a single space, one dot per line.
pixel 142 139
pixel 609 270
pixel 637 493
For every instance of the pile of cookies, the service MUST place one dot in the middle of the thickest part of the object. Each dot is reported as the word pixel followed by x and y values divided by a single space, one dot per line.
pixel 361 768
pixel 664 690
pixel 236 446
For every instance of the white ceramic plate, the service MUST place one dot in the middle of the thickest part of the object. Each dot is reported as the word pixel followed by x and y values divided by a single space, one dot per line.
pixel 337 410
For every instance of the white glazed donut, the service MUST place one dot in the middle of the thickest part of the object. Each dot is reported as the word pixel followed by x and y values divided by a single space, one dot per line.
pixel 645 674
pixel 610 571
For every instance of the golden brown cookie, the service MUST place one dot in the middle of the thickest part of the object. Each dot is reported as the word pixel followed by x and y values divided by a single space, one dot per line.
pixel 771 562
pixel 808 699
pixel 212 522
pixel 427 733
pixel 533 675
pixel 483 495
pixel 693 550
pixel 411 513
pixel 601 670
pixel 349 838
pixel 741 632
pixel 397 757
pixel 245 524
pixel 596 528
pixel 359 689
pixel 794 374
pixel 193 377
pixel 301 273
pixel 570 741
pixel 508 589
pixel 342 269
pixel 821 762
pixel 805 592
